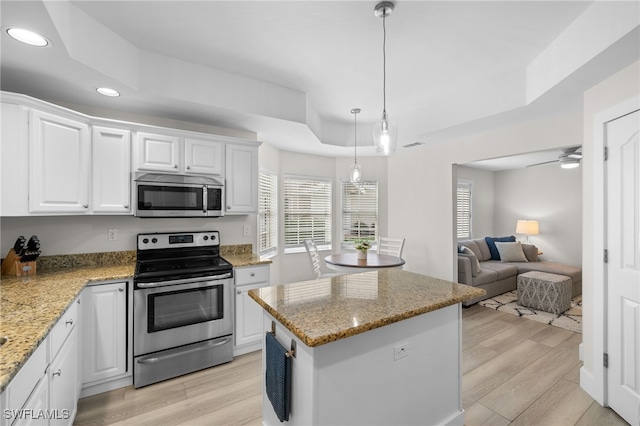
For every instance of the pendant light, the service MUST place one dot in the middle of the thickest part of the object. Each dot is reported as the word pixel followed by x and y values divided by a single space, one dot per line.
pixel 384 131
pixel 355 172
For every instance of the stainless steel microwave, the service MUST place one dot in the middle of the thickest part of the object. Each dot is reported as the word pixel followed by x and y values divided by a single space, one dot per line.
pixel 173 195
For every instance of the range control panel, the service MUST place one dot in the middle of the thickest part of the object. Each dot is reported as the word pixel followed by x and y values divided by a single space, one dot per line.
pixel 178 240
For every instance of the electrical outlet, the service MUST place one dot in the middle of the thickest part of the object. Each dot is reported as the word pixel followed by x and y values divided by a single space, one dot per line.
pixel 400 351
pixel 247 230
pixel 112 234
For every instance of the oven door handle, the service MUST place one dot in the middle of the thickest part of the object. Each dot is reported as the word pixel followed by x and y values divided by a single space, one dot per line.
pixel 185 281
pixel 206 345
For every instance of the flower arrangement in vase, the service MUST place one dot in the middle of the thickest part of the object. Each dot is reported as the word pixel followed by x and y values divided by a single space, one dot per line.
pixel 361 247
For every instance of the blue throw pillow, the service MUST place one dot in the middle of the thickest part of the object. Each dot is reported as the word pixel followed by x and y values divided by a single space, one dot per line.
pixel 495 255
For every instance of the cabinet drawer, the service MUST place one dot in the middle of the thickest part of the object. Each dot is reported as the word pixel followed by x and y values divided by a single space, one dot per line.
pixel 62 328
pixel 27 378
pixel 251 275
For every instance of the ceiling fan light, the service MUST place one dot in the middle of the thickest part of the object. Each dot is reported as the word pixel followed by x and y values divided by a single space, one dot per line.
pixel 569 163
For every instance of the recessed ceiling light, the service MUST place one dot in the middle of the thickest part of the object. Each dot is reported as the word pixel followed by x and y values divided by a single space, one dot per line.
pixel 29 37
pixel 107 92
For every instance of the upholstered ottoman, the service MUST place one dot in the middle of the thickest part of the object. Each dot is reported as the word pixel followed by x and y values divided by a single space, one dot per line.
pixel 544 291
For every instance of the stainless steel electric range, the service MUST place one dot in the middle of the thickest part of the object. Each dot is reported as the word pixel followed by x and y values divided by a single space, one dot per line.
pixel 182 303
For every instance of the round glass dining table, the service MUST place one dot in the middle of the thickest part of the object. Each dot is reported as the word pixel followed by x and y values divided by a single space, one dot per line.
pixel 350 261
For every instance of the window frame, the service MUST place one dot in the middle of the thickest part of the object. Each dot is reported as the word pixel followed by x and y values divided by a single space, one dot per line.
pixel 327 182
pixel 346 243
pixel 464 184
pixel 272 221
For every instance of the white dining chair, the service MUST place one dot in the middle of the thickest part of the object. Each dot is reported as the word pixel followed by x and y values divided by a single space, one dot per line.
pixel 316 264
pixel 390 246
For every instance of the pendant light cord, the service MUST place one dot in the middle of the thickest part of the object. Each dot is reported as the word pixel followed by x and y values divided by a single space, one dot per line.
pixel 384 64
pixel 355 136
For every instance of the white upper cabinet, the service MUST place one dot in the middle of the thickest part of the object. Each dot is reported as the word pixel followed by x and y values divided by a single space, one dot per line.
pixel 241 185
pixel 111 165
pixel 60 155
pixel 203 157
pixel 158 152
pixel 175 154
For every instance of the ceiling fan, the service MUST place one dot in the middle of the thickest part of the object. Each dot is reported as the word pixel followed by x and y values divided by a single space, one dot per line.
pixel 569 159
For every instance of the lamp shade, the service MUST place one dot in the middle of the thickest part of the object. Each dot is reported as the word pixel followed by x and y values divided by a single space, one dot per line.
pixel 527 227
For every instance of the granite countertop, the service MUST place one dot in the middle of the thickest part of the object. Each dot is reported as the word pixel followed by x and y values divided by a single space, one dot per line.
pixel 325 310
pixel 30 307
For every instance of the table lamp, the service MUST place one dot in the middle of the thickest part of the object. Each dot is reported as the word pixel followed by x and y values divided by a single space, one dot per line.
pixel 527 227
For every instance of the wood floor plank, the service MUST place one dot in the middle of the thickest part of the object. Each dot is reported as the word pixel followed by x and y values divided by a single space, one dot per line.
pixel 510 337
pixel 475 356
pixel 479 415
pixel 598 415
pixel 515 395
pixel 552 336
pixel 246 411
pixel 563 404
pixel 497 371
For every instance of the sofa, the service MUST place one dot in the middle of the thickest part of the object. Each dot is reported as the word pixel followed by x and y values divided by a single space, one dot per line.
pixel 494 263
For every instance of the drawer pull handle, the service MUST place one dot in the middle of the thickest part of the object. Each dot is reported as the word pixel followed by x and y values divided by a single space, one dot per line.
pixel 70 322
pixel 57 373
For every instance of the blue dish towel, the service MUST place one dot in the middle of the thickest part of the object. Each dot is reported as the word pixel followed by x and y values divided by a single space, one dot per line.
pixel 278 377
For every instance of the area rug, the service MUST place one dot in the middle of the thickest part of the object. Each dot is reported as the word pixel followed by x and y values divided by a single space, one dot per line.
pixel 571 319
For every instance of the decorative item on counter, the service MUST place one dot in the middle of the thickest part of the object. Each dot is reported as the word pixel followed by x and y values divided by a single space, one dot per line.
pixel 362 246
pixel 21 259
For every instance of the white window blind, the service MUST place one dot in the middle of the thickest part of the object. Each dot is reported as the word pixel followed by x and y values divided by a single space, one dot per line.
pixel 464 209
pixel 359 210
pixel 307 211
pixel 267 214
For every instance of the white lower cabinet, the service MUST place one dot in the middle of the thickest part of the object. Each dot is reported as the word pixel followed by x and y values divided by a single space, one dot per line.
pixel 63 382
pixel 248 325
pixel 38 404
pixel 104 340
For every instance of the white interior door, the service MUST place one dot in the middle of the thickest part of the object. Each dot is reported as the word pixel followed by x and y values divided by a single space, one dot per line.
pixel 623 268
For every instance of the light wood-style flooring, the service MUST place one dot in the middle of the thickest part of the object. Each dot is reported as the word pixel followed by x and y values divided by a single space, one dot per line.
pixel 515 372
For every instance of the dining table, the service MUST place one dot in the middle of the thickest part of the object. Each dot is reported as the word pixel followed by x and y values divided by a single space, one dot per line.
pixel 349 262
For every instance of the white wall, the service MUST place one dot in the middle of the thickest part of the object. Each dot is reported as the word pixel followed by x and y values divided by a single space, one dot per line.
pixel 482 200
pixel 421 182
pixel 552 196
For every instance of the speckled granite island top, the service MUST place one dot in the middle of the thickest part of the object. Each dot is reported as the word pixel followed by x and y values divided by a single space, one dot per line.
pixel 30 307
pixel 325 310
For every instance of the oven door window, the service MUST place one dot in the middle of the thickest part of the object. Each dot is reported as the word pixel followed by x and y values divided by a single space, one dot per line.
pixel 155 197
pixel 180 308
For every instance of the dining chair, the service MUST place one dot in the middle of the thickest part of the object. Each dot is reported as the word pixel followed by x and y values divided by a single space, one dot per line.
pixel 314 258
pixel 390 246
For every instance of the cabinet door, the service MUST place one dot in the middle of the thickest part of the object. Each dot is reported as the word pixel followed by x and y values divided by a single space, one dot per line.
pixel 158 152
pixel 59 164
pixel 203 157
pixel 63 372
pixel 14 160
pixel 38 403
pixel 111 165
pixel 104 338
pixel 242 179
pixel 249 316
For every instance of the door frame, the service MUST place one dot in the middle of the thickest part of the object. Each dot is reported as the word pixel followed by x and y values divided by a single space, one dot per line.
pixel 594 382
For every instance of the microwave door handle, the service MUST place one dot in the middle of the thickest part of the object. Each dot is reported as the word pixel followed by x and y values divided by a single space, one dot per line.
pixel 204 199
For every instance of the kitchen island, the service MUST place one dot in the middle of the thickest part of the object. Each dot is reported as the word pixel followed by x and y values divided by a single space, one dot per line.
pixel 376 348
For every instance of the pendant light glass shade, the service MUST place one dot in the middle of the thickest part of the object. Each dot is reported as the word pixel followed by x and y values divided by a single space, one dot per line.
pixel 385 132
pixel 355 171
pixel 385 136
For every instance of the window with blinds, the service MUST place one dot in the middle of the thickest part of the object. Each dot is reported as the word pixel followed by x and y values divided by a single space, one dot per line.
pixel 267 214
pixel 359 210
pixel 307 212
pixel 464 209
